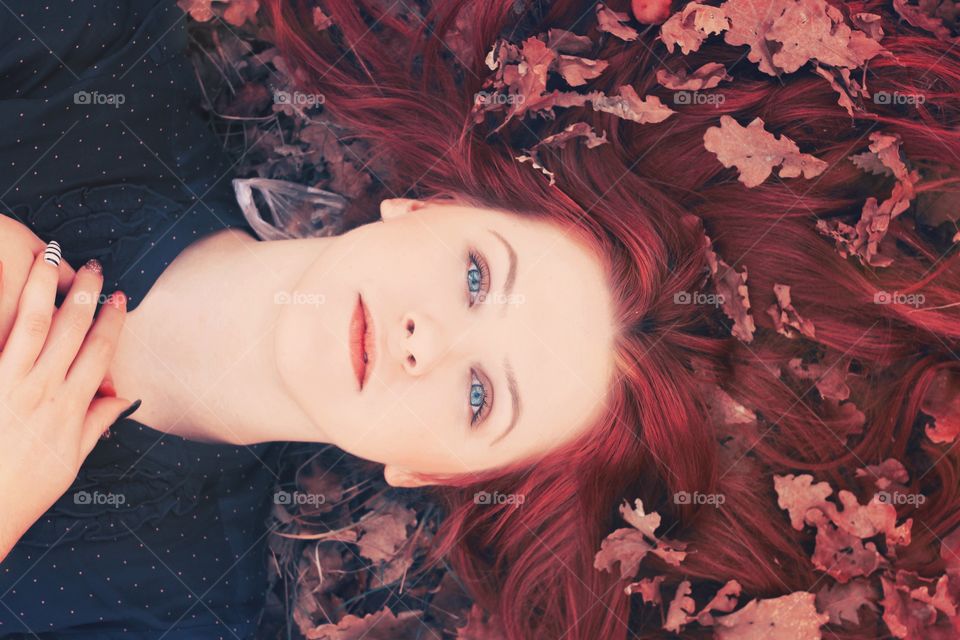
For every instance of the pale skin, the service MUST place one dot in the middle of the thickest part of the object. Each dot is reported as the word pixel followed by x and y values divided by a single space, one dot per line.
pixel 242 341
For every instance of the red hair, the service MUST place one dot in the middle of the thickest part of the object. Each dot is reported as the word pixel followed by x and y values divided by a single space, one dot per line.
pixel 632 201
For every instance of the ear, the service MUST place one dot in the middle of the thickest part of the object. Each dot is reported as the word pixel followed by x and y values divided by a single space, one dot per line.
pixel 396 207
pixel 402 477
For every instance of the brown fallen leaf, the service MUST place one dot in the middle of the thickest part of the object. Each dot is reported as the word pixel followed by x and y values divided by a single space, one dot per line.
pixel 563 41
pixel 577 71
pixel 382 625
pixel 648 588
pixel 755 152
pixel 922 17
pixel 576 130
pixel 724 601
pixel 885 475
pixel 942 403
pixel 786 318
pixel 680 611
pixel 842 602
pixel 735 297
pixel 842 555
pixel 630 106
pixel 707 76
pixel 630 546
pixel 799 495
pixel 613 22
pixel 384 529
pixel 789 617
pixel 783 35
pixel 689 27
pixel 321 21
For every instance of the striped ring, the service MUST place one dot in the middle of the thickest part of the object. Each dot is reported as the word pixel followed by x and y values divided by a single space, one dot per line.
pixel 52 254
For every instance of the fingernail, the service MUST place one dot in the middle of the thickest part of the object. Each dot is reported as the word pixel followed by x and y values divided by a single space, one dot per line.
pixel 129 410
pixel 93 265
pixel 52 254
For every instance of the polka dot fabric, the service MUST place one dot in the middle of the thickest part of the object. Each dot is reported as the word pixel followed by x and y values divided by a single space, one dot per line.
pixel 103 149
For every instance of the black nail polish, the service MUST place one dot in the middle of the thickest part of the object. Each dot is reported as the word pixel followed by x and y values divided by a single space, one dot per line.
pixel 129 410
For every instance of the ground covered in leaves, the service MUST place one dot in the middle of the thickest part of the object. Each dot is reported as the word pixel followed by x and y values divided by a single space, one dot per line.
pixel 352 565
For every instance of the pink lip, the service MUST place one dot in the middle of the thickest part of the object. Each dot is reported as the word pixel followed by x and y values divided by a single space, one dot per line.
pixel 361 342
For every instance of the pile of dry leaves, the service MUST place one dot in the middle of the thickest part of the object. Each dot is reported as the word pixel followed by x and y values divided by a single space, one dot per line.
pixel 352 565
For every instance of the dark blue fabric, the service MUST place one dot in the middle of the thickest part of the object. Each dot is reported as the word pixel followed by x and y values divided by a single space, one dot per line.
pixel 184 555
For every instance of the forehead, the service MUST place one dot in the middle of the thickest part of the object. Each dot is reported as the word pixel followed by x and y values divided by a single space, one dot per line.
pixel 556 329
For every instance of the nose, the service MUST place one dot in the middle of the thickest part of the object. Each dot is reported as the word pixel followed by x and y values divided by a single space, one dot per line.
pixel 420 343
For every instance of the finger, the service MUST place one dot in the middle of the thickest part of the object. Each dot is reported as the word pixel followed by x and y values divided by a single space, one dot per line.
pixel 34 314
pixel 102 413
pixel 65 276
pixel 96 353
pixel 14 277
pixel 71 323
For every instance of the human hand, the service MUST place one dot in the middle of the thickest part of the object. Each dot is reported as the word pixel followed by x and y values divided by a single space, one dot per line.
pixel 50 370
pixel 19 247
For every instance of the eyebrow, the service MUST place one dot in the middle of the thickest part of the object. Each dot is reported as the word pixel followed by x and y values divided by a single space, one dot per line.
pixel 512 269
pixel 515 401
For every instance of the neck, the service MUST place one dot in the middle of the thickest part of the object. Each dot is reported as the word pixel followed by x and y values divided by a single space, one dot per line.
pixel 199 351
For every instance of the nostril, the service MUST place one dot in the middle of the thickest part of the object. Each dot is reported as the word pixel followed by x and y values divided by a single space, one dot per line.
pixel 411 360
pixel 410 327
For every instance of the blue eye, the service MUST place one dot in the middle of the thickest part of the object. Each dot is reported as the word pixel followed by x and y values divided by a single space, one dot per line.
pixel 478 278
pixel 479 400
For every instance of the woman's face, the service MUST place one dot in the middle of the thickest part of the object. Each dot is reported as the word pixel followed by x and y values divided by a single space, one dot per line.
pixel 489 339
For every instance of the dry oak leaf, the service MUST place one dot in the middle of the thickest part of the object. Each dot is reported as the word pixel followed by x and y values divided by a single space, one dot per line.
pixel 869 23
pixel 842 602
pixel 563 41
pixel 630 546
pixel 829 377
pixel 754 151
pixel 681 608
pixel 735 297
pixel 789 617
pixel 630 106
pixel 321 21
pixel 840 554
pixel 786 318
pixel 613 22
pixel 382 625
pixel 384 530
pixel 888 473
pixel 923 16
pixel 577 71
pixel 911 612
pixel 846 87
pixel 798 495
pixel 783 35
pixel 942 403
pixel 724 601
pixel 706 77
pixel 579 129
pixel 648 588
pixel 689 27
